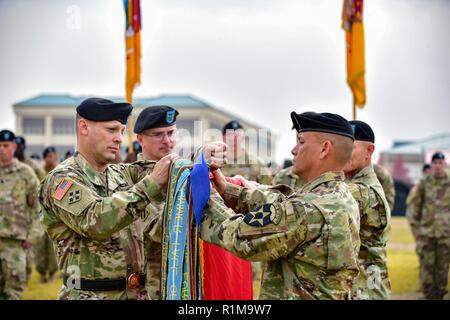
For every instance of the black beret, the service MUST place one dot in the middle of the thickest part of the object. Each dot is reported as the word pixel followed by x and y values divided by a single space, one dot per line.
pixel 362 131
pixel 6 135
pixel 155 117
pixel 232 125
pixel 21 141
pixel 438 156
pixel 48 150
pixel 322 122
pixel 426 166
pixel 99 109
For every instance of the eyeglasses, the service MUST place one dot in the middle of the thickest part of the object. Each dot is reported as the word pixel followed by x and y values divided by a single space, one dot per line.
pixel 172 134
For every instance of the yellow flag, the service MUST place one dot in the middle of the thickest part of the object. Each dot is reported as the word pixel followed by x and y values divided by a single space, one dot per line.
pixel 133 46
pixel 352 23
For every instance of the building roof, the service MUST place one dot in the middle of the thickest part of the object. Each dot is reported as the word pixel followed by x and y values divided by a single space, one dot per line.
pixel 436 142
pixel 178 101
pixel 65 100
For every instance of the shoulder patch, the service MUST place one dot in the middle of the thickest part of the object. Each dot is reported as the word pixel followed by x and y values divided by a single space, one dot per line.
pixel 62 189
pixel 261 216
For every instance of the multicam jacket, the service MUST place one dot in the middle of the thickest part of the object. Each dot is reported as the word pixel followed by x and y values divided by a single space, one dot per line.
pixel 428 207
pixel 309 239
pixel 373 280
pixel 95 221
pixel 19 205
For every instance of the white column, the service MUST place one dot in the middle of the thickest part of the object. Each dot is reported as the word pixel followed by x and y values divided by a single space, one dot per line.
pixel 48 134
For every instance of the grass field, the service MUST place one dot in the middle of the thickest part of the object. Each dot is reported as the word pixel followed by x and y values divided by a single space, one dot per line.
pixel 403 267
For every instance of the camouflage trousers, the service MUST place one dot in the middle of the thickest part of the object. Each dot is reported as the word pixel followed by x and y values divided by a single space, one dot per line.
pixel 45 256
pixel 434 262
pixel 153 270
pixel 257 272
pixel 12 269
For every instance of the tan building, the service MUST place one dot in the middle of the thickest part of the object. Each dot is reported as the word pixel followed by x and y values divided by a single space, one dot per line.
pixel 414 154
pixel 49 119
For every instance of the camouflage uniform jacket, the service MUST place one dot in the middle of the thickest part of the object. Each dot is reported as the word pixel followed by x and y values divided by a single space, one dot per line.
pixel 387 182
pixel 19 205
pixel 373 281
pixel 428 209
pixel 287 177
pixel 40 173
pixel 152 243
pixel 309 239
pixel 250 167
pixel 96 221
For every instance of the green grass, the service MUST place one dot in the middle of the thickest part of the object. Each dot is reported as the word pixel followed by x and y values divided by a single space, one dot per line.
pixel 403 268
pixel 41 291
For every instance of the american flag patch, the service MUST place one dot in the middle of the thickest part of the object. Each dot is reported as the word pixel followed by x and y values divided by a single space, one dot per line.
pixel 62 189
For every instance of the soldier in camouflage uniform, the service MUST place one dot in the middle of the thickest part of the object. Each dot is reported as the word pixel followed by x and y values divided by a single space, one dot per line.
pixel 387 182
pixel 287 177
pixel 309 239
pixel 373 279
pixel 40 173
pixel 156 133
pixel 18 210
pixel 93 212
pixel 46 264
pixel 428 212
pixel 250 167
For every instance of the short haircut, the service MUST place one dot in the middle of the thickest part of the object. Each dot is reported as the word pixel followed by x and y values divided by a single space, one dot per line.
pixel 342 146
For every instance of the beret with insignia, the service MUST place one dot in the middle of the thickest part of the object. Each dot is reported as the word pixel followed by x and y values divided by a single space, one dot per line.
pixel 438 156
pixel 322 122
pixel 99 109
pixel 232 125
pixel 6 135
pixel 155 117
pixel 362 131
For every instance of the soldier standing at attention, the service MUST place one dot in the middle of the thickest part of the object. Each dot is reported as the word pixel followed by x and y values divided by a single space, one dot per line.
pixel 93 214
pixel 46 264
pixel 251 168
pixel 308 239
pixel 40 173
pixel 428 212
pixel 375 216
pixel 18 209
pixel 387 182
pixel 156 133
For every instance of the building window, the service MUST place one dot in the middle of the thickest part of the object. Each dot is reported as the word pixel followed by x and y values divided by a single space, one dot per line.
pixel 64 126
pixel 33 126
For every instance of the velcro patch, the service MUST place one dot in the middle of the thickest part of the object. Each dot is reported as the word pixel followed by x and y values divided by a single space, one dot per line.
pixel 62 189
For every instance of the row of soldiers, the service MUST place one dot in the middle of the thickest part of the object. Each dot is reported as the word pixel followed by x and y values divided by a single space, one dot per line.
pixel 324 240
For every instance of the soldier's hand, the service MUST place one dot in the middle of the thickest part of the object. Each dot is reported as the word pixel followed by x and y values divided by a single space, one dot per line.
pixel 160 173
pixel 215 154
pixel 26 244
pixel 247 183
pixel 220 183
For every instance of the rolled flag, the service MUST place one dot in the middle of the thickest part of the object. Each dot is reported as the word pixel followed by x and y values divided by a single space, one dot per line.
pixel 200 186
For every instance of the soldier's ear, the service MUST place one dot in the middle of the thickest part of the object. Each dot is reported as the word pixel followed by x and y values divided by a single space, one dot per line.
pixel 82 126
pixel 370 149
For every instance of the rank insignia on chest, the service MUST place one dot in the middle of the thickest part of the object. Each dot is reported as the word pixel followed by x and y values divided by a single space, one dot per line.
pixel 74 196
pixel 62 189
pixel 263 216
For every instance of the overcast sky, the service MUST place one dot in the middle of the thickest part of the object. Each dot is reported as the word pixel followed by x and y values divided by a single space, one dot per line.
pixel 260 59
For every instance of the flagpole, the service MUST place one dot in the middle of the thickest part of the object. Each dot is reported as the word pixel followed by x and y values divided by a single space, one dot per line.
pixel 354 109
pixel 130 131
